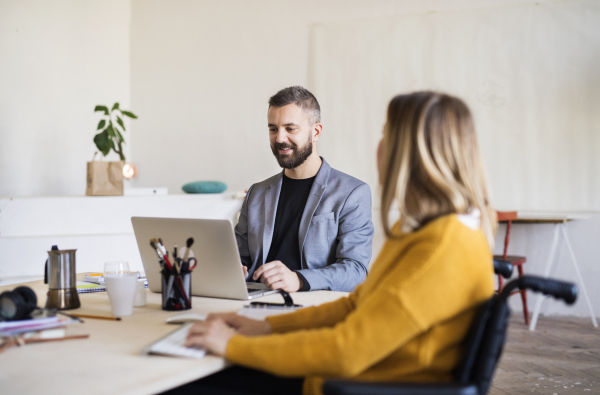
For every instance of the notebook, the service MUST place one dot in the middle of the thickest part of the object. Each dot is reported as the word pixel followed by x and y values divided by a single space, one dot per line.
pixel 87 287
pixel 83 287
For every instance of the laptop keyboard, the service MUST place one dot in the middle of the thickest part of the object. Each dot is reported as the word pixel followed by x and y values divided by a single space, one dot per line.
pixel 173 345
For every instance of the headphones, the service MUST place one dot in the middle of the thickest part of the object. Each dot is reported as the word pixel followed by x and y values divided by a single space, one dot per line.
pixel 17 304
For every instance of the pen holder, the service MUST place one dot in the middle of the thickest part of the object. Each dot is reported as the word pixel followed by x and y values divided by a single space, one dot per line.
pixel 176 290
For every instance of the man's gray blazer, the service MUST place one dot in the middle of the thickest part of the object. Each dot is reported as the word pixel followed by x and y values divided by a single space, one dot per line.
pixel 335 233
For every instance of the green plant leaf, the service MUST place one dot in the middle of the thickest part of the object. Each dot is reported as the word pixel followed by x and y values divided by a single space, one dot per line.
pixel 120 122
pixel 101 108
pixel 103 142
pixel 115 106
pixel 129 114
pixel 110 130
pixel 101 124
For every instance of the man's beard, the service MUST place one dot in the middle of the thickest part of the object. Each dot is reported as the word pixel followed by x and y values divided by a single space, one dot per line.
pixel 296 158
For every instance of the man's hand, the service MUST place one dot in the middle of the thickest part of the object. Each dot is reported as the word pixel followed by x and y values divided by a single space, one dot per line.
pixel 276 275
pixel 245 269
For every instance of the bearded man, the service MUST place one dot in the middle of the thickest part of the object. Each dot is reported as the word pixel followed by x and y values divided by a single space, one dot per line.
pixel 308 227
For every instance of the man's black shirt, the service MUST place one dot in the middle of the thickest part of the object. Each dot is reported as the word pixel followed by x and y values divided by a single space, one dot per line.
pixel 285 246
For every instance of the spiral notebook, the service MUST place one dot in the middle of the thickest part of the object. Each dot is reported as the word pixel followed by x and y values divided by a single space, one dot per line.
pixel 83 287
pixel 87 287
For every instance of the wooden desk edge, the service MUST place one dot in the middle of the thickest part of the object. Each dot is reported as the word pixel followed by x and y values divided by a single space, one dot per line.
pixel 539 221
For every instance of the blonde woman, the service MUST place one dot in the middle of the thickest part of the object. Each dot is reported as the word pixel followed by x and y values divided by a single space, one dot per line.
pixel 407 321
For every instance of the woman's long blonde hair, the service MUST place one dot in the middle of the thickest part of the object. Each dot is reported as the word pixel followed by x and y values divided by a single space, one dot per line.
pixel 431 163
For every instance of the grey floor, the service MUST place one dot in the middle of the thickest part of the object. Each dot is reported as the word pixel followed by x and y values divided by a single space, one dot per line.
pixel 562 356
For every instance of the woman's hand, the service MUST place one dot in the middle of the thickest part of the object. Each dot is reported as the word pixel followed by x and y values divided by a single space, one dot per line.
pixel 242 325
pixel 214 333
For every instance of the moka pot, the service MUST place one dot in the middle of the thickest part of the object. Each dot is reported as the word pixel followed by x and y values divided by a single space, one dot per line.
pixel 62 292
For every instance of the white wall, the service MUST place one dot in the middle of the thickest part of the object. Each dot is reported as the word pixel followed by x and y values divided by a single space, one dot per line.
pixel 528 72
pixel 200 75
pixel 203 71
pixel 58 60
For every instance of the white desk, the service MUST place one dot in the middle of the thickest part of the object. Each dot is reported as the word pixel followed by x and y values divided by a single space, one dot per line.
pixel 559 219
pixel 109 361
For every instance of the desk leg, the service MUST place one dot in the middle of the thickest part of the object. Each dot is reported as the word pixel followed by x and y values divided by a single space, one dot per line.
pixel 579 278
pixel 540 297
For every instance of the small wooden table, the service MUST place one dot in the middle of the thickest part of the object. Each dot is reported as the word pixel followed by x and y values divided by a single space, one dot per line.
pixel 109 361
pixel 559 219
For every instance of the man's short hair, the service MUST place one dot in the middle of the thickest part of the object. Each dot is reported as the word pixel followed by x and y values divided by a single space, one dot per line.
pixel 302 98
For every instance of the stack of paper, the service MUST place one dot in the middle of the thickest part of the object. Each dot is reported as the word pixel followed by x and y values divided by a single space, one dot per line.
pixel 12 328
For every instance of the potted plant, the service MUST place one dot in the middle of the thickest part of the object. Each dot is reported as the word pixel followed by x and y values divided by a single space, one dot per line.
pixel 106 178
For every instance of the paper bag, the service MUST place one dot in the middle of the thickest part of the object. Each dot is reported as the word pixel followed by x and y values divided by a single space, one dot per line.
pixel 104 178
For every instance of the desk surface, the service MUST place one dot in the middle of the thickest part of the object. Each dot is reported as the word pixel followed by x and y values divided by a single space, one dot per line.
pixel 550 217
pixel 109 361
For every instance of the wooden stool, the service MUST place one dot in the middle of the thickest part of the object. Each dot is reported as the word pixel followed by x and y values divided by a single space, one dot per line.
pixel 517 261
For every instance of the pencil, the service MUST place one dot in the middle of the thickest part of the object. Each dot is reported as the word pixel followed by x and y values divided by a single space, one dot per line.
pixel 27 341
pixel 99 317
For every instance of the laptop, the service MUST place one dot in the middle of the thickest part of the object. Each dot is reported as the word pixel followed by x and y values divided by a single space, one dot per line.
pixel 219 272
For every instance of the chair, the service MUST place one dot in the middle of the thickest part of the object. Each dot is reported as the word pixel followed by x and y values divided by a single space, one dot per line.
pixel 518 261
pixel 483 347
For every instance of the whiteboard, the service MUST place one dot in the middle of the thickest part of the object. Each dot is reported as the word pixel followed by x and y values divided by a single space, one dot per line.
pixel 529 73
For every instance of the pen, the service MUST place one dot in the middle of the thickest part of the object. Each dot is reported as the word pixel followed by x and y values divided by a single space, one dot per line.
pixel 176 259
pixel 99 317
pixel 273 305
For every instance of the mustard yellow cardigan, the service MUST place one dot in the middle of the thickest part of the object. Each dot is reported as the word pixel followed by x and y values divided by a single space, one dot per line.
pixel 406 322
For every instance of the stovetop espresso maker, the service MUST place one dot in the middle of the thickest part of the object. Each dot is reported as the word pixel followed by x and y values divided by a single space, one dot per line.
pixel 60 277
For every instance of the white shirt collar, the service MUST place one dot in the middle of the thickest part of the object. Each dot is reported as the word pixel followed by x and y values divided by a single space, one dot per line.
pixel 471 220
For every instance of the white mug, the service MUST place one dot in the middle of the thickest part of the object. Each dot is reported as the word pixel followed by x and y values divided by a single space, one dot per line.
pixel 140 294
pixel 121 290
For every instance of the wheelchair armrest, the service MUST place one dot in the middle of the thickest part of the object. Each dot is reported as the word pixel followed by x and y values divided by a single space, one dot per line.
pixel 340 387
pixel 503 267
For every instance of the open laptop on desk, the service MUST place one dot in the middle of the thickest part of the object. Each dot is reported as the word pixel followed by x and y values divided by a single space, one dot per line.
pixel 219 271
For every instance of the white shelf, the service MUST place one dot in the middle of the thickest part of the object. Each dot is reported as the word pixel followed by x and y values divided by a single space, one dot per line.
pixel 98 227
pixel 104 215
